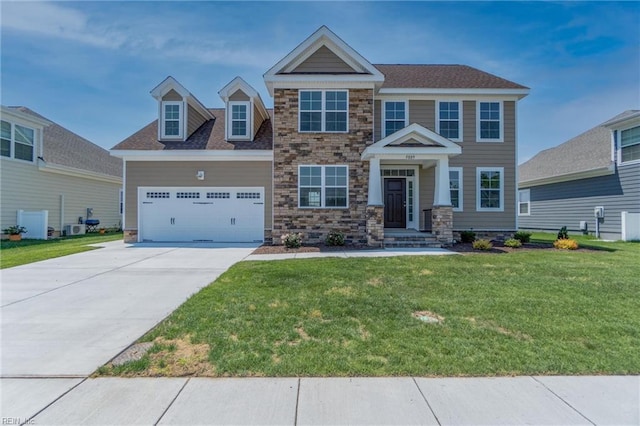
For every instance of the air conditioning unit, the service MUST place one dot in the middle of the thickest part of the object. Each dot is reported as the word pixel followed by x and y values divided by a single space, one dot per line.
pixel 76 229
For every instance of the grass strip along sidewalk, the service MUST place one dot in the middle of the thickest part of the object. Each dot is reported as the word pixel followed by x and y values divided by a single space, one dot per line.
pixel 529 312
pixel 29 251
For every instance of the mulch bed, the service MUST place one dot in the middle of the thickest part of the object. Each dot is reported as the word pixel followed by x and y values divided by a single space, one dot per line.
pixel 463 248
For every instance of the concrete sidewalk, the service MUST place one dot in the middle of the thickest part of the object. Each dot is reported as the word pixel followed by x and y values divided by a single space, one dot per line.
pixel 577 400
pixel 391 252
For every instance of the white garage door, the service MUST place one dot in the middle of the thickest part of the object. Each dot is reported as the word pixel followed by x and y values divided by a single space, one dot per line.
pixel 201 214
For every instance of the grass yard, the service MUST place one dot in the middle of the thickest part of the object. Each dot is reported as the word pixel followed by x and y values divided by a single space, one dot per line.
pixel 29 251
pixel 529 312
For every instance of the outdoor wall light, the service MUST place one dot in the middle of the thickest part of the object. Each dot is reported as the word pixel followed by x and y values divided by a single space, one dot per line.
pixel 200 174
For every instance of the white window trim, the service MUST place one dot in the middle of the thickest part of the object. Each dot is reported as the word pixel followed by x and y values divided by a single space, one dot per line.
pixel 384 112
pixel 619 147
pixel 249 121
pixel 181 119
pixel 323 111
pixel 460 189
pixel 528 203
pixel 323 186
pixel 13 142
pixel 460 119
pixel 479 171
pixel 501 106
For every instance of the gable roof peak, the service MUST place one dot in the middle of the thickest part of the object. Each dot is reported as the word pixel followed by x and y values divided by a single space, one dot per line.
pixel 323 36
pixel 171 83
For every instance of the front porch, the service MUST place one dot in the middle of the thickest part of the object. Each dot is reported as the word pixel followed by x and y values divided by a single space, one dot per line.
pixel 398 165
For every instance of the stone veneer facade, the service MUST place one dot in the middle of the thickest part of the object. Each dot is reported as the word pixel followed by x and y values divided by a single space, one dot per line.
pixel 292 148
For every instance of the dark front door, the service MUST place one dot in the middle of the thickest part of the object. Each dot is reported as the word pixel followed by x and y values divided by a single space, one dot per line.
pixel 395 209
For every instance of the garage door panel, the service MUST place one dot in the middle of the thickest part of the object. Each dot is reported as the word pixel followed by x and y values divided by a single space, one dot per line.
pixel 217 214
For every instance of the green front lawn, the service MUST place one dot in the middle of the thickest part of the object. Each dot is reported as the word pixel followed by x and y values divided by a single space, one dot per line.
pixel 528 312
pixel 28 251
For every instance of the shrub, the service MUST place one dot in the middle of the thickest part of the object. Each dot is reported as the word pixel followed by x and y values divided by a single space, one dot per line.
pixel 335 238
pixel 467 236
pixel 563 234
pixel 565 244
pixel 522 236
pixel 482 245
pixel 513 242
pixel 293 240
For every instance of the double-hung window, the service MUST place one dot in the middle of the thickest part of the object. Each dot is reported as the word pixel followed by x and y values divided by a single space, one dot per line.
pixel 490 121
pixel 630 144
pixel 172 117
pixel 455 187
pixel 323 186
pixel 524 202
pixel 395 116
pixel 17 141
pixel 449 120
pixel 323 111
pixel 239 120
pixel 490 189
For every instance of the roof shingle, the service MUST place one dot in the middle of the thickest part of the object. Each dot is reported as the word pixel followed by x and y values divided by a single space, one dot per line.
pixel 65 148
pixel 441 77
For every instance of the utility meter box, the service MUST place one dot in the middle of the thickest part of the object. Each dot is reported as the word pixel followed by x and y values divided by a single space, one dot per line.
pixel 598 212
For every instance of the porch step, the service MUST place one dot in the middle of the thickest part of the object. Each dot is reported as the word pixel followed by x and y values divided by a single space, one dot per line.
pixel 413 240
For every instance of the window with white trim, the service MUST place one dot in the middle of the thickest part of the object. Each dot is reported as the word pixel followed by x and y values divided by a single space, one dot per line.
pixel 239 120
pixel 449 120
pixel 490 121
pixel 395 117
pixel 524 202
pixel 17 141
pixel 172 117
pixel 323 186
pixel 323 111
pixel 455 188
pixel 630 144
pixel 490 189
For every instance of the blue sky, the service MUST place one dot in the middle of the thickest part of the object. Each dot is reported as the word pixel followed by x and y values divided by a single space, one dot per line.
pixel 89 66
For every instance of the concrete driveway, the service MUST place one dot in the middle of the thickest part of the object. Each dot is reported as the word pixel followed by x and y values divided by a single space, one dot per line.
pixel 65 317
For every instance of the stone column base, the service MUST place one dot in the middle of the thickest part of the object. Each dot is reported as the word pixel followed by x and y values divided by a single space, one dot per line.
pixel 442 223
pixel 130 235
pixel 375 226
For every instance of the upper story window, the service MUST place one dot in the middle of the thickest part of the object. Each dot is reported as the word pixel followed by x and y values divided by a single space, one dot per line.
pixel 323 186
pixel 239 120
pixel 490 121
pixel 630 144
pixel 524 202
pixel 449 120
pixel 172 117
pixel 17 141
pixel 490 189
pixel 455 187
pixel 323 111
pixel 395 117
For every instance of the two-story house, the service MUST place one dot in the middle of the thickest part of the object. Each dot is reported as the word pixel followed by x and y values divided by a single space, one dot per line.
pixel 364 149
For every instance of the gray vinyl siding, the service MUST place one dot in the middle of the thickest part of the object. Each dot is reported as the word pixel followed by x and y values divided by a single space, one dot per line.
pixel 423 113
pixel 195 120
pixel 567 203
pixel 323 60
pixel 257 121
pixel 239 95
pixel 25 187
pixel 172 95
pixel 182 173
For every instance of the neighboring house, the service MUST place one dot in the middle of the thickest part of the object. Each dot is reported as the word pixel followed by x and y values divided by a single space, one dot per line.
pixel 369 150
pixel 600 168
pixel 46 167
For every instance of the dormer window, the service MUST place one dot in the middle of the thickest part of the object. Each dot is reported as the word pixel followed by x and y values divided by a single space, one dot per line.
pixel 172 120
pixel 239 120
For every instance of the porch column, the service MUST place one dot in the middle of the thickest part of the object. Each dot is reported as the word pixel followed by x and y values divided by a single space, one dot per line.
pixel 442 195
pixel 375 188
